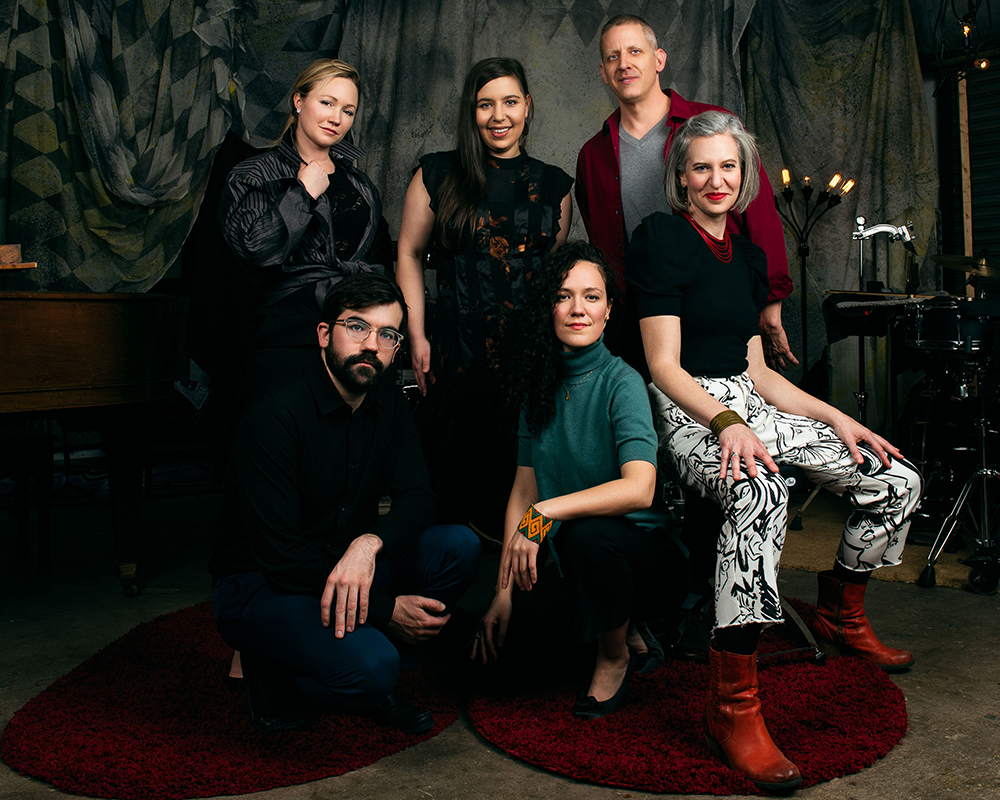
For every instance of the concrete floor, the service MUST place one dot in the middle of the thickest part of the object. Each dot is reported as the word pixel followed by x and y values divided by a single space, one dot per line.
pixel 54 619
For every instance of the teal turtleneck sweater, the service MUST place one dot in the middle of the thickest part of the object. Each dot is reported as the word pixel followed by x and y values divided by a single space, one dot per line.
pixel 606 422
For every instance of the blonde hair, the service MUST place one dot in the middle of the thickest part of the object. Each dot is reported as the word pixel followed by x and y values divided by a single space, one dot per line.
pixel 318 74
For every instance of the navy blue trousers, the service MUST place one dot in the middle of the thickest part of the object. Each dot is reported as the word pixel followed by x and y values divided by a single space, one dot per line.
pixel 355 672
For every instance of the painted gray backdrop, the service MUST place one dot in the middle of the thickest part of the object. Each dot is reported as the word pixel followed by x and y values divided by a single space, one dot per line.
pixel 112 111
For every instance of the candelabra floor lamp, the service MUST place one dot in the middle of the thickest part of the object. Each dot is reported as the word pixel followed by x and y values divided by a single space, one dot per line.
pixel 812 212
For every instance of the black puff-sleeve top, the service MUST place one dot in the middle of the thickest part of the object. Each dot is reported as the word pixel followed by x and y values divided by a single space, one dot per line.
pixel 673 272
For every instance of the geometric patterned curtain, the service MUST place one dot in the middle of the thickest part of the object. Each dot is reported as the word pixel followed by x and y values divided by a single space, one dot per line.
pixel 112 111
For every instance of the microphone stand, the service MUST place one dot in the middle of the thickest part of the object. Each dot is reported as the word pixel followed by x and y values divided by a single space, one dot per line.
pixel 896 234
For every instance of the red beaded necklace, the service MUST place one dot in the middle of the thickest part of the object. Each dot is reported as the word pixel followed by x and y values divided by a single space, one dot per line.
pixel 723 249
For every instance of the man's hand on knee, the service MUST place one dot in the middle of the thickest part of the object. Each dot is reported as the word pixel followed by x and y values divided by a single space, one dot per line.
pixel 417 619
pixel 348 584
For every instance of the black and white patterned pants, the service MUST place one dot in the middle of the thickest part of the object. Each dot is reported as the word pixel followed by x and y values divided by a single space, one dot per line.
pixel 756 513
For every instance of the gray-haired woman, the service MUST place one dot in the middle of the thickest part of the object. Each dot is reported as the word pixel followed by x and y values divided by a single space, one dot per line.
pixel 726 421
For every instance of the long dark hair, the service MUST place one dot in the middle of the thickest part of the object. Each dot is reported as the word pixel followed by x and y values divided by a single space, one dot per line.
pixel 536 372
pixel 464 187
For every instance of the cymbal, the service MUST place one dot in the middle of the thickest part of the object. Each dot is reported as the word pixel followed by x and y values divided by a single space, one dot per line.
pixel 975 266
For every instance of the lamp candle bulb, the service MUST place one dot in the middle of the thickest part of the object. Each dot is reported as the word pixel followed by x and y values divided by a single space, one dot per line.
pixel 834 181
pixel 848 185
pixel 786 177
pixel 805 180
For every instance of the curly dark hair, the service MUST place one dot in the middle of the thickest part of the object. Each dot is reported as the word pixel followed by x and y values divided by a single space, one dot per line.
pixel 536 372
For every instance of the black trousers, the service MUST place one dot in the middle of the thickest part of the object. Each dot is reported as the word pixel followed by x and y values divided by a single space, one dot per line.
pixel 615 571
pixel 357 671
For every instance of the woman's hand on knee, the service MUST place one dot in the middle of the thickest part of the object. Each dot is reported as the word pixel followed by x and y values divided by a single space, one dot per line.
pixel 740 444
pixel 491 633
pixel 850 432
pixel 520 563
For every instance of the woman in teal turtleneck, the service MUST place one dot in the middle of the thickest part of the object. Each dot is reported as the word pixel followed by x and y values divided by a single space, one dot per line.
pixel 586 477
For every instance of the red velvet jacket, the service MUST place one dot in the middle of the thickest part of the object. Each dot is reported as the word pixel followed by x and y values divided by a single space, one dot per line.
pixel 599 198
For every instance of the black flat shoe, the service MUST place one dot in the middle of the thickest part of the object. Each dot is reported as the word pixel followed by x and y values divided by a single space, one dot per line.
pixel 652 659
pixel 396 712
pixel 270 712
pixel 591 708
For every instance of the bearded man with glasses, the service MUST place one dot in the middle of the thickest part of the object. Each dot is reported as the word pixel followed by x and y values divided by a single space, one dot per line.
pixel 326 599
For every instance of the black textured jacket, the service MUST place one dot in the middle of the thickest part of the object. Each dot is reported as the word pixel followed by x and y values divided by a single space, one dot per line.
pixel 282 236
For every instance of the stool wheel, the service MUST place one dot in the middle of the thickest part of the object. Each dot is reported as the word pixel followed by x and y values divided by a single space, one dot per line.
pixel 985 578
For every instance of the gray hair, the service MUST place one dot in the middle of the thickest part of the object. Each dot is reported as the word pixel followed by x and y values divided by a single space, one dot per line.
pixel 711 123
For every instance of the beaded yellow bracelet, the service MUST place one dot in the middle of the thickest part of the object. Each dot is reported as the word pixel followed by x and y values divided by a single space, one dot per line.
pixel 534 525
pixel 724 419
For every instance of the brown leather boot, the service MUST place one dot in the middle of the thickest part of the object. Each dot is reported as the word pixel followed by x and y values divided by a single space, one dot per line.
pixel 841 625
pixel 734 727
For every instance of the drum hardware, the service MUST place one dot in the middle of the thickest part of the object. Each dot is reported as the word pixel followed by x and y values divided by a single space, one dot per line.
pixel 984 565
pixel 881 298
pixel 937 428
pixel 873 314
pixel 958 334
pixel 980 267
pixel 897 233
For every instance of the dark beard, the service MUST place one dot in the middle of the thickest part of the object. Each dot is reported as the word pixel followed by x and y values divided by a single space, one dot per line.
pixel 343 370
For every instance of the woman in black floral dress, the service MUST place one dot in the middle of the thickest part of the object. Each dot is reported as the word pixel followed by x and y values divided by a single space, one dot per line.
pixel 483 216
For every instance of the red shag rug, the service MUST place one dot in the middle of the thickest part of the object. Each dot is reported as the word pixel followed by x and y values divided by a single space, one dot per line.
pixel 152 717
pixel 830 719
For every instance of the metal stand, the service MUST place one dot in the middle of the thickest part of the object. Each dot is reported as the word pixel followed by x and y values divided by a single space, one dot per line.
pixel 796 523
pixel 896 234
pixel 984 572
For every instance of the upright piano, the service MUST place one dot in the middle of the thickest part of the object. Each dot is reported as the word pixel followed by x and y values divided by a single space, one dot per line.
pixel 101 358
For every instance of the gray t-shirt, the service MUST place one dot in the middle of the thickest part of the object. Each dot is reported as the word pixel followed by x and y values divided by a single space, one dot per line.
pixel 642 174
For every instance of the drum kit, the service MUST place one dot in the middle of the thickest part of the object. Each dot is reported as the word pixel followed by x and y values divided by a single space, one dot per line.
pixel 956 339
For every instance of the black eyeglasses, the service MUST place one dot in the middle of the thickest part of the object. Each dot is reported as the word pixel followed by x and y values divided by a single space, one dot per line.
pixel 359 331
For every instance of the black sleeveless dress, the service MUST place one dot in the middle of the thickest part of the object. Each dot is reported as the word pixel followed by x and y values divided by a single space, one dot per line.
pixel 482 286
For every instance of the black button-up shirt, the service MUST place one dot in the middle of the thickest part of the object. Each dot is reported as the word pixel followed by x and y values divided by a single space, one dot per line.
pixel 305 478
